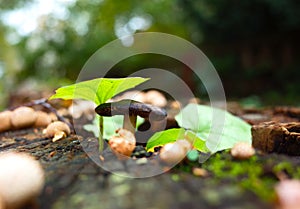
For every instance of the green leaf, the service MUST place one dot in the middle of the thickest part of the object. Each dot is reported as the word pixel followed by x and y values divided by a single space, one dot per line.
pixel 97 90
pixel 171 135
pixel 163 137
pixel 220 129
pixel 110 124
pixel 197 142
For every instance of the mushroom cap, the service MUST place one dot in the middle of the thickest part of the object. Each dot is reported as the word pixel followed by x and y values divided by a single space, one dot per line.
pixel 43 119
pixel 131 107
pixel 5 120
pixel 56 127
pixel 288 193
pixel 242 150
pixel 23 117
pixel 172 153
pixel 21 179
pixel 124 144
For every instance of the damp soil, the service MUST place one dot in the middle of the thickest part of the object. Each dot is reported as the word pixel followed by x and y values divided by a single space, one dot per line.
pixel 76 177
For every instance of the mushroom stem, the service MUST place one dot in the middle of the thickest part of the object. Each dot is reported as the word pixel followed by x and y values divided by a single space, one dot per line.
pixel 100 138
pixel 129 122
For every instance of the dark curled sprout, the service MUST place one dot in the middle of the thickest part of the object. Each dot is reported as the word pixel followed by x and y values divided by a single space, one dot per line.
pixel 131 109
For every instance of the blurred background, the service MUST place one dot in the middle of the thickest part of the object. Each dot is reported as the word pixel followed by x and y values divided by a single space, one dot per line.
pixel 254 45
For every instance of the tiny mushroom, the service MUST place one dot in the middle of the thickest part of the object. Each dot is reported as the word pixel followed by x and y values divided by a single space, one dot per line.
pixel 21 179
pixel 5 124
pixel 43 119
pixel 124 144
pixel 242 151
pixel 288 194
pixel 172 153
pixel 58 130
pixel 131 109
pixel 23 117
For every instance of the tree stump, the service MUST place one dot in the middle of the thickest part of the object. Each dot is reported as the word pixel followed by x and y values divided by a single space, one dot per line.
pixel 277 137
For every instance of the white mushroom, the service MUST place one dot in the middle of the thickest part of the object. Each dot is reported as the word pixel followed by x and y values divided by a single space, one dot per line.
pixel 124 144
pixel 5 123
pixel 58 130
pixel 21 179
pixel 23 117
pixel 185 144
pixel 288 194
pixel 242 150
pixel 172 153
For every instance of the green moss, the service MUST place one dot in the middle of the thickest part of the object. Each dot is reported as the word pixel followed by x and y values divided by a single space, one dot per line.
pixel 259 174
pixel 297 173
pixel 284 167
pixel 248 174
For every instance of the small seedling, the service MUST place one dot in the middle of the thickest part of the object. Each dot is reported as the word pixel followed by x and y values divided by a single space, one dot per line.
pixel 98 91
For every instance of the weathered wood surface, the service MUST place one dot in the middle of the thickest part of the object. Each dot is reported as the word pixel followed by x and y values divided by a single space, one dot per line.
pixel 277 137
pixel 74 181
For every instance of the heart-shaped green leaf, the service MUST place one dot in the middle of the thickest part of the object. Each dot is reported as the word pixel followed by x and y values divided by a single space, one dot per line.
pixel 97 90
pixel 220 129
pixel 171 135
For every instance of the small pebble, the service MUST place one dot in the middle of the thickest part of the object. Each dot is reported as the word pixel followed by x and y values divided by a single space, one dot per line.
pixel 193 155
pixel 200 172
pixel 242 151
pixel 141 161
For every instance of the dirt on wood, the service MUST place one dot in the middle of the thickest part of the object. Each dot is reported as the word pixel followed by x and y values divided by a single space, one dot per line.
pixel 74 179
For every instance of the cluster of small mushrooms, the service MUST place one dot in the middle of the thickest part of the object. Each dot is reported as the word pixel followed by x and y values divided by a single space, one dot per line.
pixel 21 176
pixel 25 117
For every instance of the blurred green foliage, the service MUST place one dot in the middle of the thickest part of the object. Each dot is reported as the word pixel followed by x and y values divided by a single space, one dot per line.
pixel 253 44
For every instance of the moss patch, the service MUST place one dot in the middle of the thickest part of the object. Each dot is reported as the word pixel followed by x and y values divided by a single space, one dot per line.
pixel 259 174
